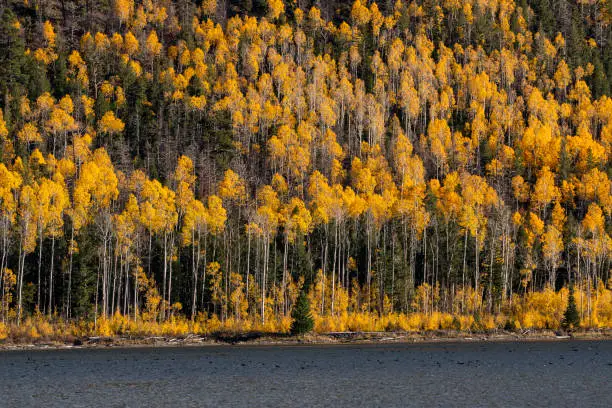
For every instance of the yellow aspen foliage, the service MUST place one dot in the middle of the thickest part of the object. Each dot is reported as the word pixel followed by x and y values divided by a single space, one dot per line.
pixel 534 230
pixel 360 13
pixel 197 102
pixel 595 186
pixel 209 7
pixel 130 44
pixel 10 182
pixel 217 215
pixel 66 167
pixel 49 33
pixel 66 104
pixel 439 140
pixel 545 191
pixel 540 146
pixel 195 219
pixel 51 201
pixel 95 189
pixel 37 158
pixel 232 187
pixel 124 10
pixel 3 129
pixel 27 204
pixel 45 102
pixel 81 148
pixel 279 184
pixel 297 219
pixel 126 223
pixel 409 166
pixel 60 121
pixel 101 42
pixel 584 151
pixel 267 217
pixel 185 178
pixel 275 8
pixel 110 123
pixel 88 106
pixel 158 209
pixel 153 45
pixel 117 41
pixel 460 174
pixel 29 134
pixel 119 97
pixel 594 221
pixel 520 189
pixel 552 245
pixel 558 216
pixel 563 76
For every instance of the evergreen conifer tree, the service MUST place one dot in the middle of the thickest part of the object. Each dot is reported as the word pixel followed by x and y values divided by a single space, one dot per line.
pixel 571 319
pixel 302 319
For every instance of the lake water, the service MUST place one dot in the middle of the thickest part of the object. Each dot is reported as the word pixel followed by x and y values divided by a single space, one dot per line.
pixel 559 374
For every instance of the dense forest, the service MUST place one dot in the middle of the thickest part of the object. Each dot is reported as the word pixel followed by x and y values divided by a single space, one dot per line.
pixel 193 165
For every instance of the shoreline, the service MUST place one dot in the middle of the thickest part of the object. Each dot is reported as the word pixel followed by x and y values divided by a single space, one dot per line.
pixel 271 340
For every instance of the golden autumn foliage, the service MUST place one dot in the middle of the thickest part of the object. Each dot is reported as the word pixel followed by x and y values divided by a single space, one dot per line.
pixel 418 166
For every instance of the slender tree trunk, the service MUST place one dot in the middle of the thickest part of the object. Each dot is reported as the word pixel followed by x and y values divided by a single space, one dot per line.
pixel 163 313
pixel 51 276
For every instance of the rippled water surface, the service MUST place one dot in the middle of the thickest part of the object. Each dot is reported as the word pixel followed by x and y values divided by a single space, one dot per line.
pixel 569 373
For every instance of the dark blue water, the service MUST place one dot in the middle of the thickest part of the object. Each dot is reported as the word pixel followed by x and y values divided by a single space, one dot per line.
pixel 558 374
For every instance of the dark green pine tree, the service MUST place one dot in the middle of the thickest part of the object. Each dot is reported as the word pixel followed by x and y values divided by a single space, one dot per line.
pixel 302 319
pixel 571 319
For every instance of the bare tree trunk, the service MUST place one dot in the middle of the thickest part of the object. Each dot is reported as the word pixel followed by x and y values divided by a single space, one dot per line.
pixel 51 276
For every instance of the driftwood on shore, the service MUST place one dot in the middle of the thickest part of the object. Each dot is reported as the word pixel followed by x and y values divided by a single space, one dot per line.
pixel 272 339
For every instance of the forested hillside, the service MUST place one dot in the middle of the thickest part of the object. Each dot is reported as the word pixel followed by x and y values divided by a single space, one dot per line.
pixel 409 164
